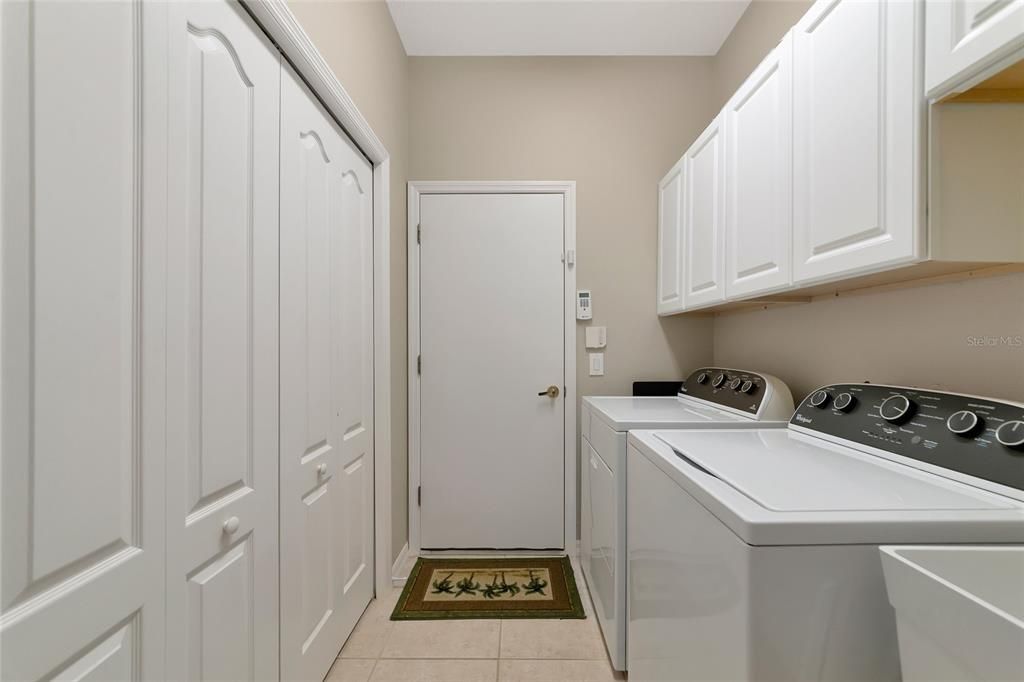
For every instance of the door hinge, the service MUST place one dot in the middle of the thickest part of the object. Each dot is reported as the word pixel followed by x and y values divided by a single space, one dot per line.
pixel 419 233
pixel 419 364
pixel 419 496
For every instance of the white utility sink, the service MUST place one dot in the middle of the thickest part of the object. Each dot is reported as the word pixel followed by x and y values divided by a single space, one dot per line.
pixel 959 611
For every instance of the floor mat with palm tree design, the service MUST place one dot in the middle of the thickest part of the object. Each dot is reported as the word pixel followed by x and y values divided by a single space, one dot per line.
pixel 534 587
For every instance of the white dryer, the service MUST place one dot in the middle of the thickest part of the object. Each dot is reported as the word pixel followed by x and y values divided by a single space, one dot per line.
pixel 711 398
pixel 753 555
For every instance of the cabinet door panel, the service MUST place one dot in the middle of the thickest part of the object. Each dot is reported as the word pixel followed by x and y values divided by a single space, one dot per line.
pixel 704 220
pixel 856 127
pixel 222 326
pixel 83 349
pixel 759 171
pixel 964 37
pixel 670 247
pixel 326 385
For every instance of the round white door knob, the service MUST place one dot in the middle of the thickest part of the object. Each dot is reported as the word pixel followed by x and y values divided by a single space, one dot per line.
pixel 231 525
pixel 322 469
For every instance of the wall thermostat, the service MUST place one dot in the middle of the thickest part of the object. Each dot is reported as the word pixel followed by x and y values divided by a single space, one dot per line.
pixel 584 306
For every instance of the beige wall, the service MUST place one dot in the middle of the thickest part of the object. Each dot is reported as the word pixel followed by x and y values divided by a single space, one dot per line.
pixel 758 31
pixel 932 337
pixel 615 125
pixel 924 337
pixel 362 47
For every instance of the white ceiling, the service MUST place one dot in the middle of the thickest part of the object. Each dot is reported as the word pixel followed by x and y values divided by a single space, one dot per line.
pixel 564 27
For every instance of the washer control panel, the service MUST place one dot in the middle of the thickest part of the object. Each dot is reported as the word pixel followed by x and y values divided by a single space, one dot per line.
pixel 738 389
pixel 975 436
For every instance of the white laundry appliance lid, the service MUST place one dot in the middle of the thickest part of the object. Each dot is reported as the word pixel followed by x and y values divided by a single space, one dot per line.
pixel 787 472
pixel 624 413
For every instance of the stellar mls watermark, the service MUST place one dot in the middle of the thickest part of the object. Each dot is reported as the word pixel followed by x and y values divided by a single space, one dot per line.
pixel 989 341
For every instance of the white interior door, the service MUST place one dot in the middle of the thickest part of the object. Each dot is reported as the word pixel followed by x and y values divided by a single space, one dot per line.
pixel 326 385
pixel 82 359
pixel 222 346
pixel 491 339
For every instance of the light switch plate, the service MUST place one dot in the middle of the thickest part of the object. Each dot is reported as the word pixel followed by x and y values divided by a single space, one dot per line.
pixel 597 337
pixel 596 364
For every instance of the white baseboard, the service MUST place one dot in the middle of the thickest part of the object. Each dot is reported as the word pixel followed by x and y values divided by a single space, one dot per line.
pixel 398 567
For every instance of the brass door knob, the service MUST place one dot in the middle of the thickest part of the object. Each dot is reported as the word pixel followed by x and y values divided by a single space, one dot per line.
pixel 551 392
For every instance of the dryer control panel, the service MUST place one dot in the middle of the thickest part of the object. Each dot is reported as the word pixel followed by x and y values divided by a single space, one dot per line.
pixel 735 388
pixel 979 437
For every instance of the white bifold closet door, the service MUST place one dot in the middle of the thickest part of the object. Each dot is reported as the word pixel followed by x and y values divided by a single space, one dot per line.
pixel 222 356
pixel 326 385
pixel 82 359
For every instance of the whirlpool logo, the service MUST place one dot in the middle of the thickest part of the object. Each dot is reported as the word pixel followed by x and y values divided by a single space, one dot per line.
pixel 803 419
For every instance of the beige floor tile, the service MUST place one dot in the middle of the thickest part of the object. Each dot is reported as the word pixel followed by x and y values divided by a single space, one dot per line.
pixel 568 639
pixel 513 670
pixel 367 640
pixel 350 670
pixel 443 639
pixel 380 609
pixel 373 627
pixel 434 670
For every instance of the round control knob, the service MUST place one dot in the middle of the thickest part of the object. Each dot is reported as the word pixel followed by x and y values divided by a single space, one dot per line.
pixel 896 408
pixel 735 384
pixel 702 378
pixel 747 387
pixel 844 402
pixel 231 525
pixel 718 381
pixel 820 399
pixel 1011 434
pixel 963 423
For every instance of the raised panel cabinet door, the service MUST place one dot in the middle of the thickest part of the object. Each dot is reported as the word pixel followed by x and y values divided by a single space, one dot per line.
pixel 759 167
pixel 222 489
pixel 82 417
pixel 326 385
pixel 704 219
pixel 670 233
pixel 857 128
pixel 964 37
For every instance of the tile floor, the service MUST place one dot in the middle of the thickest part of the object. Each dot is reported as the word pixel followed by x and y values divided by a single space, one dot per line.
pixel 380 650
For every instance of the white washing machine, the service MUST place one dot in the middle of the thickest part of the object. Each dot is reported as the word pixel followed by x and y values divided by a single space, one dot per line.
pixel 711 398
pixel 753 555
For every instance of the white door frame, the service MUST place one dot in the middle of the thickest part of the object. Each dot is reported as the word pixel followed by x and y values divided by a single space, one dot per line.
pixel 277 20
pixel 568 191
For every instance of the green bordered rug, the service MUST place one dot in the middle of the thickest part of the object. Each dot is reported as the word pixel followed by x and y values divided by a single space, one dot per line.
pixel 530 587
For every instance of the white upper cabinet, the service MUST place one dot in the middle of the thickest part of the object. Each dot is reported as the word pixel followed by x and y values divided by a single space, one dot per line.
pixel 965 37
pixel 857 121
pixel 759 178
pixel 703 219
pixel 670 237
